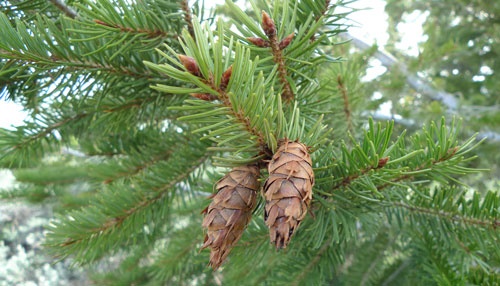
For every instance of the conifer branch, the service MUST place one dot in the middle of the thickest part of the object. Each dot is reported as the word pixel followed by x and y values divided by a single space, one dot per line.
pixel 161 193
pixel 115 222
pixel 456 217
pixel 188 18
pixel 270 30
pixel 320 15
pixel 150 33
pixel 72 65
pixel 28 140
pixel 138 168
pixel 440 158
pixel 88 79
pixel 239 115
pixel 425 166
pixel 68 11
pixel 323 13
pixel 349 179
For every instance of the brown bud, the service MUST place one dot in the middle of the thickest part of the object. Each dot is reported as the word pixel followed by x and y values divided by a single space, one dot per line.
pixel 382 162
pixel 190 64
pixel 268 25
pixel 226 76
pixel 259 42
pixel 204 96
pixel 286 41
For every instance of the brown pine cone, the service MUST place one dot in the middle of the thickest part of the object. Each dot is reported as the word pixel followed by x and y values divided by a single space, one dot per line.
pixel 230 211
pixel 288 190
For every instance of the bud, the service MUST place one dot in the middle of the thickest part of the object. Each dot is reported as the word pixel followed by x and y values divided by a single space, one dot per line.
pixel 190 64
pixel 382 162
pixel 286 41
pixel 259 42
pixel 268 25
pixel 226 76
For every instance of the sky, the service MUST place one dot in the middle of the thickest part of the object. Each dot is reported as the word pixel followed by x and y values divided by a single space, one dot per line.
pixel 370 21
pixel 369 24
pixel 10 114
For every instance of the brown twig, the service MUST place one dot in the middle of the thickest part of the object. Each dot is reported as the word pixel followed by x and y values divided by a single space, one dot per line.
pixel 348 180
pixel 270 29
pixel 188 18
pixel 347 111
pixel 149 33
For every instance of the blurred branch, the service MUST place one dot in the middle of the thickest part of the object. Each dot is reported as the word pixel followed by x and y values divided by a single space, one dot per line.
pixel 64 8
pixel 417 83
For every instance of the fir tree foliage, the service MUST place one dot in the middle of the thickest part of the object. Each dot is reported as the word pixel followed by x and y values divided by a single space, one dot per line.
pixel 160 102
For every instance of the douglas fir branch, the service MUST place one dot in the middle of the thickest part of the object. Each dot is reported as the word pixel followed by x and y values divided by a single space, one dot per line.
pixel 158 97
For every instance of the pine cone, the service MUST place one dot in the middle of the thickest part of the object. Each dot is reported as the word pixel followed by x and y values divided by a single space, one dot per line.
pixel 288 191
pixel 230 211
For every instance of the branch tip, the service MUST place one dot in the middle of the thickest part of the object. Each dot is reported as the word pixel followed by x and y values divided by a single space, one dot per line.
pixel 190 64
pixel 268 25
pixel 286 41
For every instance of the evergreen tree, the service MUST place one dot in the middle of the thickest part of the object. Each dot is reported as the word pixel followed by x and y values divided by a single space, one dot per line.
pixel 158 103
